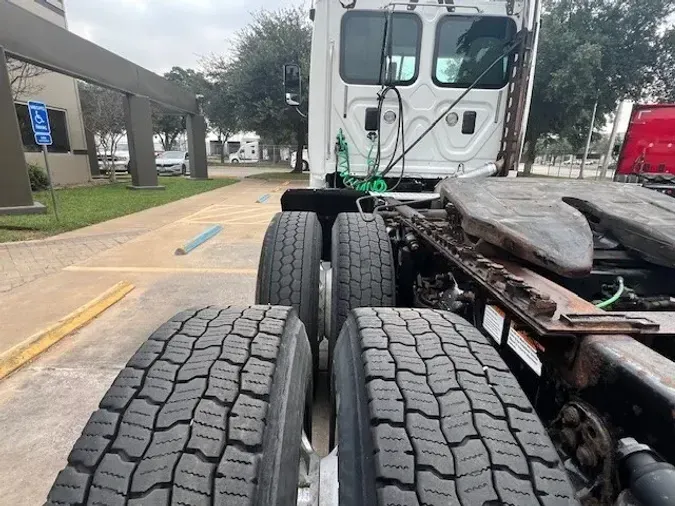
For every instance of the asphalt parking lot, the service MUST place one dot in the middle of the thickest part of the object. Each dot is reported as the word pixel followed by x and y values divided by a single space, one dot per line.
pixel 44 405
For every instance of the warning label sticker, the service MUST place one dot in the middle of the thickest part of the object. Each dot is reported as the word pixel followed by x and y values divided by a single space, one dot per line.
pixel 523 345
pixel 493 322
pixel 518 340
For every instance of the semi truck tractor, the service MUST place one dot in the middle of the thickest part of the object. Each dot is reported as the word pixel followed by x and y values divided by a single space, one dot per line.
pixel 486 340
pixel 647 154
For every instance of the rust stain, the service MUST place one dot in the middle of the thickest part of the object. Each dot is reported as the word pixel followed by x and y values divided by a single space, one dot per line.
pixel 567 301
pixel 600 355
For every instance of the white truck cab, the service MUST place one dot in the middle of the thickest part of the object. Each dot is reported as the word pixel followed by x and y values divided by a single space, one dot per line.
pixel 430 52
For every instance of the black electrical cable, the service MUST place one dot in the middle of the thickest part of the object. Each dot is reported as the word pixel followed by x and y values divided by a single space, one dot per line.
pixel 386 82
pixel 379 208
pixel 381 96
pixel 509 49
pixel 400 132
pixel 404 203
pixel 384 52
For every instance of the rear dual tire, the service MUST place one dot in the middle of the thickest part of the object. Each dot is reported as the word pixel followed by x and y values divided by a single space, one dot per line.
pixel 208 411
pixel 362 269
pixel 362 264
pixel 428 413
pixel 290 269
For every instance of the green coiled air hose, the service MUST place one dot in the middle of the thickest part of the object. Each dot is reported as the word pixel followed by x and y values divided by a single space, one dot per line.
pixel 373 182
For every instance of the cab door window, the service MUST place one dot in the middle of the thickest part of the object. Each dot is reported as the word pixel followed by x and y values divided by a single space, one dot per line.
pixel 365 56
pixel 467 45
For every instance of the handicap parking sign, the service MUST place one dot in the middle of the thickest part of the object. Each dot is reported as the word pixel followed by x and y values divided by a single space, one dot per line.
pixel 39 119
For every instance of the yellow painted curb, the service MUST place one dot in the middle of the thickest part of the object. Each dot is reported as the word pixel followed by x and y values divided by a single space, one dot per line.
pixel 17 356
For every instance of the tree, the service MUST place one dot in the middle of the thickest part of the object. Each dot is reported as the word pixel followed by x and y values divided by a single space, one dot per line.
pixel 604 49
pixel 22 78
pixel 169 125
pixel 219 107
pixel 103 115
pixel 664 85
pixel 254 70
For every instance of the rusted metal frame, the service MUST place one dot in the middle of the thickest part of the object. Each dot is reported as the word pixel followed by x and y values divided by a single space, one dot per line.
pixel 630 384
pixel 531 304
pixel 515 101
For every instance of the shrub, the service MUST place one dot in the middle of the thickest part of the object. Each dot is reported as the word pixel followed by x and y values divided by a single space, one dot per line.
pixel 38 178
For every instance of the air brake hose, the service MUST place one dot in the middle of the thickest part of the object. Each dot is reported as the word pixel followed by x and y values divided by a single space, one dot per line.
pixel 374 184
pixel 613 298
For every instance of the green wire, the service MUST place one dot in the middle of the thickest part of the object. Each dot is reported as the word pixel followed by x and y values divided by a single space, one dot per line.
pixel 373 182
pixel 613 298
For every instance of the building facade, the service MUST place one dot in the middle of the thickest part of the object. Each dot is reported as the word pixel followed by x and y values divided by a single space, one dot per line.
pixel 68 159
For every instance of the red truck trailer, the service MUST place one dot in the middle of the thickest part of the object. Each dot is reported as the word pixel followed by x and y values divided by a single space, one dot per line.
pixel 648 151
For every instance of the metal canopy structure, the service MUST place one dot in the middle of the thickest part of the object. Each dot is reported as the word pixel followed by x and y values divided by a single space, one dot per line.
pixel 30 38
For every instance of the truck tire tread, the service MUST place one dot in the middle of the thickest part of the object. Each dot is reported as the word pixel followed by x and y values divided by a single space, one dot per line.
pixel 208 411
pixel 433 416
pixel 289 270
pixel 363 266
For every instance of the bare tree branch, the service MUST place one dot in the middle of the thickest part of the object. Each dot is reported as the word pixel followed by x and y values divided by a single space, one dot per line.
pixel 103 116
pixel 23 78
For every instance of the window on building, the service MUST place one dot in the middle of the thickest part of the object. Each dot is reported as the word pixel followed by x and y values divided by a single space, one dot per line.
pixel 467 45
pixel 53 5
pixel 57 119
pixel 363 41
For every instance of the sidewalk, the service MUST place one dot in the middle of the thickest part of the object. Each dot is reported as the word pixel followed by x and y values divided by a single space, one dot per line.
pixel 23 262
pixel 42 281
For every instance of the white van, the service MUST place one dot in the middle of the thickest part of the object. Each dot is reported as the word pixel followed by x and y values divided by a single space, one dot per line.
pixel 249 152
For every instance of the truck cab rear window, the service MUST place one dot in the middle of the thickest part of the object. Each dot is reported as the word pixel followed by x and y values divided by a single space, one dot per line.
pixel 467 45
pixel 362 45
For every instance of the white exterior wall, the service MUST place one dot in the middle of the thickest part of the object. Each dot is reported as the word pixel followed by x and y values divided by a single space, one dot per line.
pixel 60 92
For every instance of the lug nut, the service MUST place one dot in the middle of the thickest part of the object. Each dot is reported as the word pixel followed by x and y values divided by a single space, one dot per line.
pixel 586 457
pixel 571 416
pixel 569 437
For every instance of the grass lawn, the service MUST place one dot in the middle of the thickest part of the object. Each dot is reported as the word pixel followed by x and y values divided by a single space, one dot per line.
pixel 79 207
pixel 280 176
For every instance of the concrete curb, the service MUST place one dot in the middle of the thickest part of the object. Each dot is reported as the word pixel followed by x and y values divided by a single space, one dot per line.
pixel 23 352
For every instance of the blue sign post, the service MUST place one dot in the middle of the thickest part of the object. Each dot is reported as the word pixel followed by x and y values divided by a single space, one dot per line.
pixel 42 131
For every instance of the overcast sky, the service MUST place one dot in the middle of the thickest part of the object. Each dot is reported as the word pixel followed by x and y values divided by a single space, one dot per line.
pixel 160 34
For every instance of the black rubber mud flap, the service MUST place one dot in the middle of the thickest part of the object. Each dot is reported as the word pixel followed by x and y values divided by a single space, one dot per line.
pixel 363 267
pixel 208 411
pixel 429 414
pixel 289 270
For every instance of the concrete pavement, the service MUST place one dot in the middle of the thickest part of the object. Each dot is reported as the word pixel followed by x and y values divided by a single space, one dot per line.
pixel 44 405
pixel 23 262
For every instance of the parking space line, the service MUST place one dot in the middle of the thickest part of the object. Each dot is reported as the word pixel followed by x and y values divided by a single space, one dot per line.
pixel 227 223
pixel 252 216
pixel 263 222
pixel 217 214
pixel 162 270
pixel 198 212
